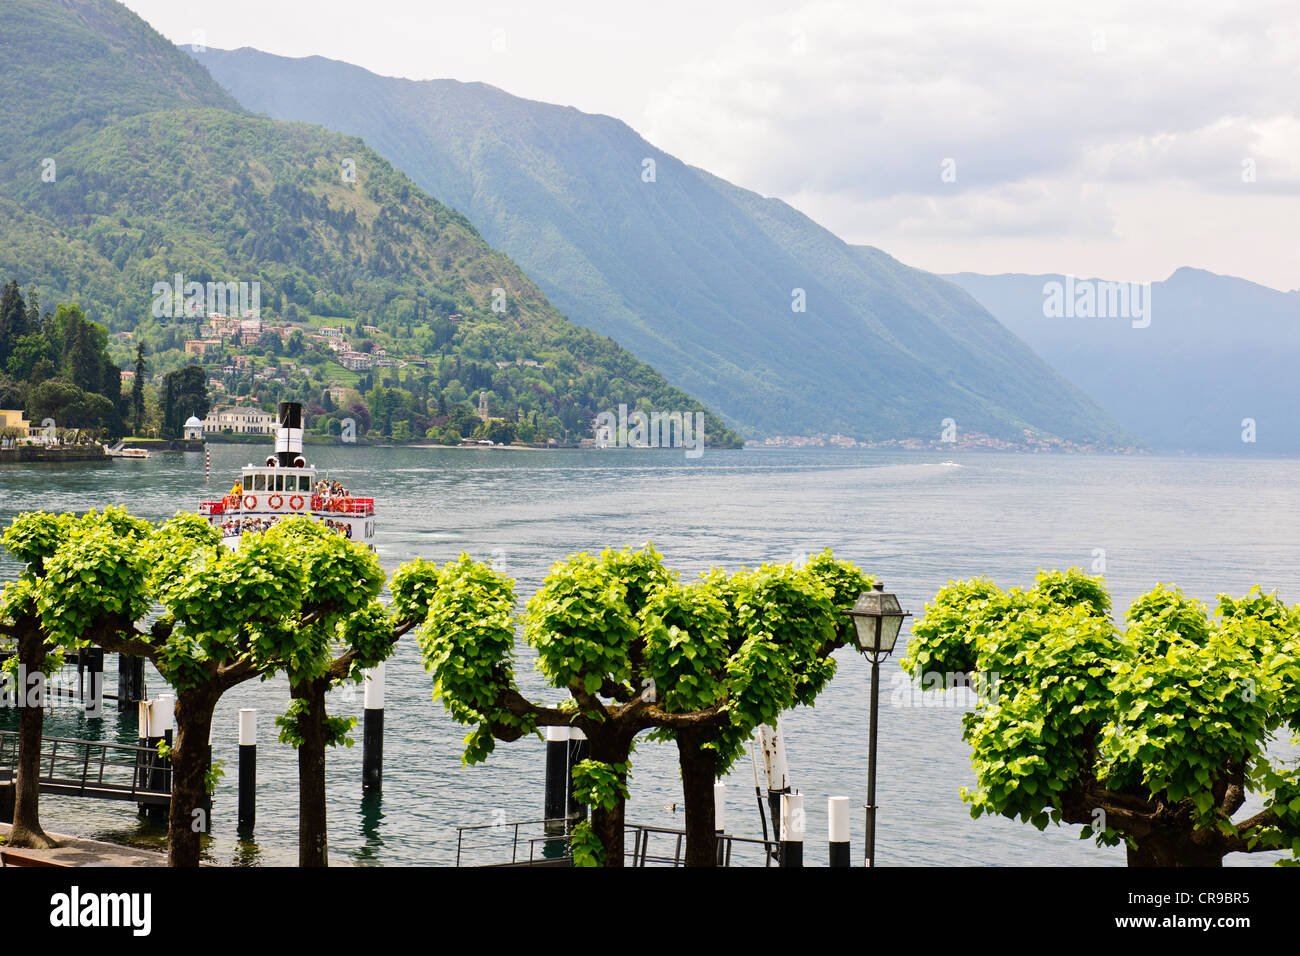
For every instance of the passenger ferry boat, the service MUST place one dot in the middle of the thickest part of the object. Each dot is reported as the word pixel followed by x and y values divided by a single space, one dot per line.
pixel 286 485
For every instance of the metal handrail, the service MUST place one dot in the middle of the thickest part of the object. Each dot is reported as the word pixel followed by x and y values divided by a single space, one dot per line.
pixel 140 760
pixel 640 854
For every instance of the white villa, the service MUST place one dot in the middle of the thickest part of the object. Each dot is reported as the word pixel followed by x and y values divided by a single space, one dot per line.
pixel 241 420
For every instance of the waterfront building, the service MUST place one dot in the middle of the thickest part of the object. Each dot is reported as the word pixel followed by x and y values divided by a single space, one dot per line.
pixel 241 420
pixel 13 418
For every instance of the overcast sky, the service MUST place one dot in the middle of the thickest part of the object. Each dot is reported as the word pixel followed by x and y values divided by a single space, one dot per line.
pixel 1033 136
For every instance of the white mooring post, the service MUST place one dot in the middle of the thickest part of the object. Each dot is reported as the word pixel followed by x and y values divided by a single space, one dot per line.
pixel 157 720
pixel 162 719
pixel 372 756
pixel 837 815
pixel 247 768
pixel 792 822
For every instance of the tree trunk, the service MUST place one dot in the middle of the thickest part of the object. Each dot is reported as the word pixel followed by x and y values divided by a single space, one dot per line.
pixel 1165 848
pixel 189 816
pixel 27 830
pixel 313 844
pixel 608 824
pixel 698 776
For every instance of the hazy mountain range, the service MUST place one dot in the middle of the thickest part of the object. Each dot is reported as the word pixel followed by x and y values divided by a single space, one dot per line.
pixel 709 290
pixel 698 277
pixel 1213 351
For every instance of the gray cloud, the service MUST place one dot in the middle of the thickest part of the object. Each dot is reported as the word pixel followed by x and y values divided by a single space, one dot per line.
pixel 1012 92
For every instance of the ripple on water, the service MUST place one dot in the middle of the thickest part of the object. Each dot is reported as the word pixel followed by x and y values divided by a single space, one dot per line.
pixel 1209 525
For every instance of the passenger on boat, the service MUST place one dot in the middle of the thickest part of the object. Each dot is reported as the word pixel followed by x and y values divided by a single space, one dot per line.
pixel 255 525
pixel 328 491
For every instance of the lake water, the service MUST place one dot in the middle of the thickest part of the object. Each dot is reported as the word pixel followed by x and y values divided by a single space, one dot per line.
pixel 1208 525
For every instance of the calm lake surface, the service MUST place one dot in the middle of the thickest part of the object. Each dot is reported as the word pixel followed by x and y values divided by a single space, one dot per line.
pixel 1207 525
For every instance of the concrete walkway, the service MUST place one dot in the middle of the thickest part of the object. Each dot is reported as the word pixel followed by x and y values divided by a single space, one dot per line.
pixel 74 851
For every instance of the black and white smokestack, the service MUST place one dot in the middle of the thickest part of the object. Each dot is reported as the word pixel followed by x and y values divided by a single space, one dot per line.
pixel 288 440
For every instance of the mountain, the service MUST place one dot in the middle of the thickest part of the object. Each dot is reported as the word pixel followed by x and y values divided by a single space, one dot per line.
pixel 73 66
pixel 695 275
pixel 1217 350
pixel 154 172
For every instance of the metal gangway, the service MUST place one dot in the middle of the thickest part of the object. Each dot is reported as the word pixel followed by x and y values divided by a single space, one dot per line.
pixel 526 843
pixel 732 850
pixel 97 769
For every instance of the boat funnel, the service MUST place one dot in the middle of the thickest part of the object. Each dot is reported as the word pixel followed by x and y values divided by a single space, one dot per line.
pixel 288 439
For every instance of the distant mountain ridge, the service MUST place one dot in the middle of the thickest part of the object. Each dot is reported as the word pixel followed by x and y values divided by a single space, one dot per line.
pixel 1217 350
pixel 695 275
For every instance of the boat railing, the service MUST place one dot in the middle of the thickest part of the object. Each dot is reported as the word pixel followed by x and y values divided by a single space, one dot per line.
pixel 345 505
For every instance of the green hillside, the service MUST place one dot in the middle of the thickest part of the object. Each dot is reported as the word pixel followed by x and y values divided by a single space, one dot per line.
pixel 71 66
pixel 159 174
pixel 690 272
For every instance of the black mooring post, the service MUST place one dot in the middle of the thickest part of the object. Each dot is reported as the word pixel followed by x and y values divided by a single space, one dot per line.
pixel 247 769
pixel 130 681
pixel 94 697
pixel 143 760
pixel 555 799
pixel 372 731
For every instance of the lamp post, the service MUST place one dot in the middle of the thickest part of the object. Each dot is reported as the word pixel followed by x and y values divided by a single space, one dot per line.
pixel 877 619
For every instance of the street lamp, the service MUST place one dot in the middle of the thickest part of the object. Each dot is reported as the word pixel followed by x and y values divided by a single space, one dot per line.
pixel 877 619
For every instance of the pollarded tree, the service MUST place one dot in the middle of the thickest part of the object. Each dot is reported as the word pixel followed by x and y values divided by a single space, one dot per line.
pixel 757 643
pixel 288 600
pixel 636 650
pixel 229 618
pixel 350 631
pixel 103 561
pixel 1152 734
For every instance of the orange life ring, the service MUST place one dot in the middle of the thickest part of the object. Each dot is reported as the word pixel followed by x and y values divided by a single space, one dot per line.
pixel 276 501
pixel 298 505
pixel 249 502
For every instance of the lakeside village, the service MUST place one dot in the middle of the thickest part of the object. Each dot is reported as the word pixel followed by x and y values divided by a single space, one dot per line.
pixel 68 383
pixel 964 440
pixel 445 378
